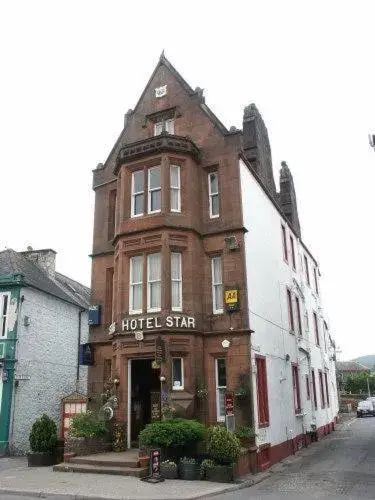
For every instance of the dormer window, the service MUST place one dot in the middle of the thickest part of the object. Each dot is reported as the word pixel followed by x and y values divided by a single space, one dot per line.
pixel 164 126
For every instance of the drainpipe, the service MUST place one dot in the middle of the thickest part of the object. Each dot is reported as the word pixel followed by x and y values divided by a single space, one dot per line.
pixel 79 343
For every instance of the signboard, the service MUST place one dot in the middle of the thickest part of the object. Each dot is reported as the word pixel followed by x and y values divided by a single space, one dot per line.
pixel 156 322
pixel 154 468
pixel 232 299
pixel 94 315
pixel 159 350
pixel 86 354
pixel 229 404
pixel 155 406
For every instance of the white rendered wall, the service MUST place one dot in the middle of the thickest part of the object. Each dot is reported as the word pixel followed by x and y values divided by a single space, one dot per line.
pixel 47 352
pixel 268 276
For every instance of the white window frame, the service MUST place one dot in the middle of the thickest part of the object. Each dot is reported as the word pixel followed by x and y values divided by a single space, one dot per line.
pixel 175 188
pixel 182 386
pixel 215 308
pixel 133 195
pixel 152 309
pixel 177 280
pixel 131 284
pixel 151 190
pixel 211 194
pixel 4 317
pixel 219 418
pixel 169 126
pixel 158 128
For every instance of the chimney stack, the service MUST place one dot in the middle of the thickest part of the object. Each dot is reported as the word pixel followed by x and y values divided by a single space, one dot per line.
pixel 288 199
pixel 45 259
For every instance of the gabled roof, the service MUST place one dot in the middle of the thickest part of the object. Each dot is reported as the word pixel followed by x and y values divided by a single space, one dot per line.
pixel 351 366
pixel 163 61
pixel 14 263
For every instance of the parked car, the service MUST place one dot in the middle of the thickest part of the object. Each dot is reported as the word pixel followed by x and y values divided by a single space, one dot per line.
pixel 372 400
pixel 365 408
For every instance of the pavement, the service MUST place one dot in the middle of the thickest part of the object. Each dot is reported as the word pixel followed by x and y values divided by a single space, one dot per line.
pixel 334 466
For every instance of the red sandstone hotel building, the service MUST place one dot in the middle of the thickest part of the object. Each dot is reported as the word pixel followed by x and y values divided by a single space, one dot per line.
pixel 177 279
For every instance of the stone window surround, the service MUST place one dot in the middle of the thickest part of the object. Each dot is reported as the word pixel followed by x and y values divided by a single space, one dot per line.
pixel 165 162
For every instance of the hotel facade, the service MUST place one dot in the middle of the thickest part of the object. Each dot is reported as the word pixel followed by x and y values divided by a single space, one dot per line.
pixel 207 293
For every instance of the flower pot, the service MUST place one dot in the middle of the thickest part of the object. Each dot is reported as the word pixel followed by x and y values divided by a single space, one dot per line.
pixel 169 471
pixel 41 459
pixel 189 472
pixel 220 473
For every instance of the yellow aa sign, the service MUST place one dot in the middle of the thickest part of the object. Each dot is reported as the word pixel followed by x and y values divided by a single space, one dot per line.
pixel 231 296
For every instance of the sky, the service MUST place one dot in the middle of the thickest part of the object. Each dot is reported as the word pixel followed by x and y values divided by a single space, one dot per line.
pixel 71 69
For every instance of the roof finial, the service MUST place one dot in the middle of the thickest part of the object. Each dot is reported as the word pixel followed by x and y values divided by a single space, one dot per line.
pixel 162 55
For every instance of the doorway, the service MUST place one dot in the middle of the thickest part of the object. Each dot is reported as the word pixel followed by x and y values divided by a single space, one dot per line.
pixel 144 396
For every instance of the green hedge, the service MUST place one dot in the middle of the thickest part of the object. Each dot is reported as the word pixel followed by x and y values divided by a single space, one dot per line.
pixel 174 433
pixel 43 435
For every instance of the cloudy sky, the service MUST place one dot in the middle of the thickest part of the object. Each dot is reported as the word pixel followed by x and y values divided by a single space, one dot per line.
pixel 71 69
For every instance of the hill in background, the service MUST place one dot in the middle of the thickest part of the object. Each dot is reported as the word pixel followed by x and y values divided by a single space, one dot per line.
pixel 368 360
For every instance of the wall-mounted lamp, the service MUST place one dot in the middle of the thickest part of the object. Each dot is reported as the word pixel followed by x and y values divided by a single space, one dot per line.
pixel 116 381
pixel 162 378
pixel 287 357
pixel 225 343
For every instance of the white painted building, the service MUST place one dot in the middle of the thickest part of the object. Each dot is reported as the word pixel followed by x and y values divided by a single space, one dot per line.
pixel 45 320
pixel 292 349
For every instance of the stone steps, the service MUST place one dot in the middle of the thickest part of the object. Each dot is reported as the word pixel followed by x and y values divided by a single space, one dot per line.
pixel 102 469
pixel 132 463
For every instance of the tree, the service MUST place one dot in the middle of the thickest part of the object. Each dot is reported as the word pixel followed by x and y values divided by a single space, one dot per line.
pixel 357 384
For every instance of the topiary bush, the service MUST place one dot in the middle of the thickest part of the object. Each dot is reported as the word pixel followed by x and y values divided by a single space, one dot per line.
pixel 87 424
pixel 223 446
pixel 43 435
pixel 177 434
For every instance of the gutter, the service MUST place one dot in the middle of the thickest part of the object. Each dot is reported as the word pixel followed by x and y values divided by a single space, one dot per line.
pixel 79 343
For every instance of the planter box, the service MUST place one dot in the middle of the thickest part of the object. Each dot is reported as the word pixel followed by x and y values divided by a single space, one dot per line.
pixel 41 459
pixel 169 472
pixel 189 472
pixel 87 445
pixel 220 473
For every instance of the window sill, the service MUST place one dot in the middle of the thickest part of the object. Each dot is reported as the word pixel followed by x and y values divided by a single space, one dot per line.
pixel 153 310
pixel 133 313
pixel 178 389
pixel 134 216
pixel 217 313
pixel 300 414
pixel 214 216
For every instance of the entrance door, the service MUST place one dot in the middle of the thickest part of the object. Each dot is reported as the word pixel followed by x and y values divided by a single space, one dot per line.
pixel 145 390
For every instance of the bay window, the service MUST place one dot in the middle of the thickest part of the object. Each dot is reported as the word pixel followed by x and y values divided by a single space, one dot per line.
pixel 217 285
pixel 154 190
pixel 136 284
pixel 153 282
pixel 221 387
pixel 176 278
pixel 175 180
pixel 137 195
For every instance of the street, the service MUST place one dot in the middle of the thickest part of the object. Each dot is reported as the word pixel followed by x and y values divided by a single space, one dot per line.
pixel 341 466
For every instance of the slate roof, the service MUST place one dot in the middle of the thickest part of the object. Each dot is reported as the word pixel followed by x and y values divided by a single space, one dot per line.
pixel 351 366
pixel 62 287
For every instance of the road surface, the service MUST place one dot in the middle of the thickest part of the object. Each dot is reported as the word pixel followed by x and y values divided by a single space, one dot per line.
pixel 340 467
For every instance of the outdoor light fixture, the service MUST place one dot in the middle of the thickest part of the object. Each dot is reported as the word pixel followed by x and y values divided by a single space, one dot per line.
pixel 116 381
pixel 162 378
pixel 225 343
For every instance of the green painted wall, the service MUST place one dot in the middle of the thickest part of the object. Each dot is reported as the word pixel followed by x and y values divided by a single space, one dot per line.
pixel 11 285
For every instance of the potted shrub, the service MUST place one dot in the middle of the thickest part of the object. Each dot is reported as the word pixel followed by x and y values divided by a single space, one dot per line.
pixel 224 448
pixel 88 434
pixel 168 469
pixel 246 435
pixel 175 437
pixel 43 441
pixel 188 468
pixel 207 463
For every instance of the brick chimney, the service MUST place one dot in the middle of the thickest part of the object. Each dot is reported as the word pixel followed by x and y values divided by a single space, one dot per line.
pixel 45 259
